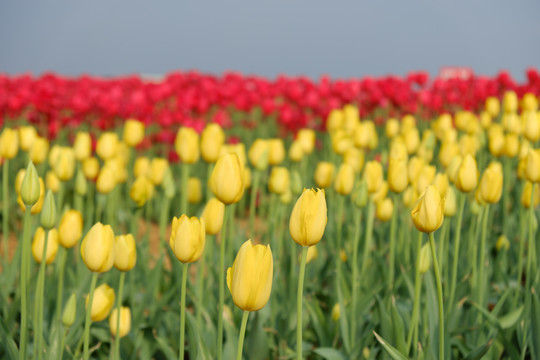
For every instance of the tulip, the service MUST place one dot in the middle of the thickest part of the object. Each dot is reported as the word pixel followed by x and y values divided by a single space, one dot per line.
pixel 238 149
pixel 296 152
pixel 511 145
pixel 344 180
pixel 336 312
pixel 125 252
pixel 384 209
pixel 467 175
pixel 279 182
pixel 70 311
pixel 510 102
pixel 493 106
pixel 324 174
pixel 212 215
pixel 106 180
pixel 341 141
pixel 308 218
pixel 133 132
pixel 107 145
pixel 9 143
pixel 351 116
pixel 306 138
pixel 312 254
pixel 397 178
pixel 425 259
pixel 141 167
pixel 391 128
pixel 412 140
pixel 426 177
pixel 27 136
pixel 64 166
pixel 526 195
pixel 82 146
pixel 512 123
pixel 52 182
pixel 398 150
pixel 48 215
pixel 141 190
pixel 102 302
pixel 124 321
pixel 30 189
pixel 90 168
pixel 276 153
pixel 212 139
pixel 532 170
pixel 36 208
pixel 18 180
pixel 187 238
pixel 529 102
pixel 227 179
pixel 355 158
pixel 335 120
pixel 97 248
pixel 502 243
pixel 532 126
pixel 373 175
pixel 450 202
pixel 70 228
pixel 186 145
pixel 428 214
pixel 194 190
pixel 158 168
pixel 441 183
pixel 39 150
pixel 491 184
pixel 39 243
pixel 259 154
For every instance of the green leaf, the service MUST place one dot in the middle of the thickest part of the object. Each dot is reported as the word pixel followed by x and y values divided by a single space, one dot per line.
pixel 8 344
pixel 479 352
pixel 392 351
pixel 399 331
pixel 330 354
pixel 535 325
pixel 510 319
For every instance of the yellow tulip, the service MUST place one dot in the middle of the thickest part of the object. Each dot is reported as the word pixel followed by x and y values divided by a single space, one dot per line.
pixel 532 126
pixel 102 302
pixel 344 179
pixel 428 214
pixel 526 195
pixel 70 311
pixel 296 152
pixel 324 174
pixel 27 136
pixel 397 175
pixel 312 254
pixel 90 168
pixel 373 175
pixel 238 149
pixel 107 145
pixel 341 141
pixel 398 149
pixel 425 178
pixel 532 170
pixel 502 243
pixel 52 182
pixel 276 153
pixel 70 228
pixel 384 209
pixel 39 150
pixel 450 202
pixel 19 180
pixel 467 175
pixel 97 248
pixel 279 182
pixel 491 184
pixel 336 313
pixel 529 102
pixel 425 259
pixel 414 168
pixel 39 242
pixel 335 120
pixel 188 238
pixel 82 146
pixel 106 180
pixel 133 132
pixel 194 188
pixel 408 122
pixel 125 252
pixel 227 179
pixel 392 128
pixel 309 217
pixel 250 278
pixel 158 168
pixel 212 139
pixel 510 102
pixel 493 106
pixel 441 183
pixel 306 138
pixel 410 196
pixel 259 154
pixel 125 322
pixel 485 119
pixel 9 143
pixel 141 190
pixel 381 193
pixel 511 145
pixel 213 214
pixel 512 123
pixel 38 205
pixel 64 166
pixel 351 116
pixel 355 158
pixel 186 145
pixel 412 140
pixel 141 167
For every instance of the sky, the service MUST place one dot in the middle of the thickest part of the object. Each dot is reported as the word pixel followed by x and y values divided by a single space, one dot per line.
pixel 339 38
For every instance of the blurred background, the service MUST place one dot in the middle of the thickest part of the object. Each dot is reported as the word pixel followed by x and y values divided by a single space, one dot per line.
pixel 341 39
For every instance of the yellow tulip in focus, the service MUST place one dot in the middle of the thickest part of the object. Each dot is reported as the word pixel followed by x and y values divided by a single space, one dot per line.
pixel 64 166
pixel 9 143
pixel 125 322
pixel 30 188
pixel 306 138
pixel 213 214
pixel 491 184
pixel 39 150
pixel 52 182
pixel 188 238
pixel 384 209
pixel 250 278
pixel 279 182
pixel 97 248
pixel 125 252
pixel 467 175
pixel 102 302
pixel 392 128
pixel 70 228
pixel 158 168
pixel 39 243
pixel 82 146
pixel 107 145
pixel 428 214
pixel 212 139
pixel 27 136
pixel 141 167
pixel 324 174
pixel 133 132
pixel 227 179
pixel 450 202
pixel 373 175
pixel 90 168
pixel 344 180
pixel 186 145
pixel 532 170
pixel 259 154
pixel 308 218
pixel 276 153
pixel 194 190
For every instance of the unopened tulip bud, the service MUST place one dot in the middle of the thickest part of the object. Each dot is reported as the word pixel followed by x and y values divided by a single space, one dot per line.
pixel 491 184
pixel 306 137
pixel 81 186
pixel 447 152
pixel 186 145
pixel 125 252
pixel 158 168
pixel 397 175
pixel 106 180
pixel 36 208
pixel 259 154
pixel 441 183
pixel 510 102
pixel 385 209
pixel 279 181
pixel 526 195
pixel 532 126
pixel 276 153
pixel 312 254
pixel 39 243
pixel 18 180
pixel 373 175
pixel 296 152
pixel 70 311
pixel 425 178
pixel 102 302
pixel 502 243
pixel 296 183
pixel 90 168
pixel 82 146
pixel 344 180
pixel 107 145
pixel 529 102
pixel 355 158
pixel 467 175
pixel 141 191
pixel 27 136
pixel 30 187
pixel 227 179
pixel 213 214
pixel 168 184
pixel 392 128
pixel 194 190
pixel 414 168
pixel 133 132
pixel 70 228
pixel 511 145
pixel 141 167
pixel 532 171
pixel 336 312
pixel 212 139
pixel 493 106
pixel 308 218
pixel 428 214
pixel 360 194
pixel 188 238
pixel 97 248
pixel 425 259
pixel 450 202
pixel 9 143
pixel 324 174
pixel 64 166
pixel 381 193
pixel 48 213
pixel 410 197
pixel 125 322
pixel 52 182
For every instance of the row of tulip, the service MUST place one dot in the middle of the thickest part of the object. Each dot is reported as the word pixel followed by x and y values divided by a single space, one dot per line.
pixel 383 189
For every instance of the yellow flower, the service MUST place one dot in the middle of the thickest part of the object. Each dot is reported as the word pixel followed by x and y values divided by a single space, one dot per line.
pixel 64 167
pixel 532 126
pixel 279 182
pixel 335 120
pixel 186 145
pixel 106 180
pixel 511 145
pixel 425 259
pixel 467 175
pixel 158 168
pixel 97 248
pixel 341 141
pixel 39 150
pixel 441 183
pixel 306 138
pixel 296 152
pixel 52 182
pixel 125 321
pixel 324 174
pixel 510 102
pixel 213 216
pixel 82 146
pixel 450 202
pixel 412 140
pixel 39 243
pixel 493 106
pixel 425 178
pixel 70 228
pixel 187 238
pixel 133 132
pixel 9 143
pixel 212 139
pixel 70 311
pixel 312 254
pixel 102 302
pixel 27 137
pixel 141 190
pixel 259 154
pixel 141 167
pixel 355 158
pixel 529 102
pixel 29 188
pixel 397 175
pixel 36 208
pixel 428 214
pixel 90 168
pixel 344 179
pixel 107 145
pixel 336 312
pixel 194 190
pixel 227 179
pixel 308 218
pixel 392 128
pixel 414 168
pixel 125 252
pixel 491 184
pixel 385 209
pixel 250 278
pixel 502 243
pixel 526 195
pixel 373 175
pixel 532 170
pixel 276 153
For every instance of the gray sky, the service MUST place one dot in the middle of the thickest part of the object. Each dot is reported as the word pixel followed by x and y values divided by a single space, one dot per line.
pixel 314 37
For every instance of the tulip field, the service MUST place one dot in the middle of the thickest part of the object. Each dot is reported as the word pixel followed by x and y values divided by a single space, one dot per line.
pixel 237 217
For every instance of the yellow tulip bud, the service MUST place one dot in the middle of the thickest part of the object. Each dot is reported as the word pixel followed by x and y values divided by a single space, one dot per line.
pixel 141 190
pixel 259 154
pixel 247 177
pixel 286 197
pixel 335 120
pixel 141 167
pixel 36 208
pixel 39 243
pixel 186 145
pixel 133 132
pixel 336 312
pixel 397 175
pixel 30 190
pixel 532 171
pixel 18 180
pixel 491 184
pixel 158 168
pixel 468 145
pixel 441 183
pixel 467 175
pixel 529 102
pixel 398 150
pixel 355 158
pixel 512 123
pixel 279 182
pixel 380 194
pixel 392 128
pixel 213 214
pixel 408 122
pixel 238 149
pixel 365 135
pixel 188 238
pixel 453 167
pixel 373 175
pixel 125 252
pixel 344 179
pixel 410 196
pixel 194 190
pixel 308 218
pixel 351 116
pixel 81 186
pixel 324 174
pixel 428 214
pixel 64 166
pixel 276 153
pixel 425 178
pixel 526 195
pixel 106 180
pixel 502 243
pixel 306 138
pixel 39 150
pixel 70 311
pixel 212 139
pixel 90 168
pixel 450 202
pixel 312 254
pixel 384 209
pixel 296 152
pixel 48 214
pixel 52 182
pixel 227 179
pixel 447 152
pixel 532 126
pixel 102 302
pixel 97 248
pixel 82 146
pixel 412 140
pixel 70 228
pixel 250 278
pixel 341 141
pixel 27 136
pixel 493 106
pixel 9 143
pixel 360 194
pixel 425 259
pixel 343 256
pixel 414 168
pixel 125 322
pixel 511 145
pixel 107 145
pixel 510 102
pixel 485 119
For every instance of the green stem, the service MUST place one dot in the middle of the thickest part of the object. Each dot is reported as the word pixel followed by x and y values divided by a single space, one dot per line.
pixel 482 282
pixel 437 272
pixel 252 200
pixel 221 281
pixel 416 305
pixel 88 320
pixel 242 334
pixel 38 309
pixel 520 256
pixel 299 304
pixel 456 252
pixel 5 209
pixel 393 243
pixel 62 342
pixel 183 310
pixel 60 287
pixel 369 237
pixel 339 225
pixel 356 240
pixel 530 245
pixel 184 188
pixel 61 194
pixel 78 202
pixel 23 279
pixel 118 312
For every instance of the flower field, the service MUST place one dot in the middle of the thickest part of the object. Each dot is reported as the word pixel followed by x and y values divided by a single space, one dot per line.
pixel 237 217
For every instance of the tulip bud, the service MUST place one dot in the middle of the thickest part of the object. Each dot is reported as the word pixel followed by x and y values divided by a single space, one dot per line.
pixel 414 168
pixel 212 139
pixel 213 214
pixel 336 312
pixel 70 228
pixel 384 209
pixel 360 194
pixel 447 152
pixel 532 126
pixel 125 322
pixel 106 180
pixel 64 166
pixel 39 150
pixel 279 181
pixel 107 145
pixel 296 152
pixel 250 278
pixel 186 145
pixel 441 183
pixel 343 256
pixel 306 138
pixel 125 252
pixel 276 153
pixel 351 116
pixel 491 184
pixel 141 167
pixel 335 120
pixel 355 158
pixel 259 154
pixel 188 238
pixel 308 218
pixel 30 189
pixel 90 168
pixel 296 183
pixel 526 195
pixel 81 187
pixel 9 143
pixel 158 168
pixel 324 174
pixel 425 178
pixel 39 243
pixel 168 184
pixel 70 311
pixel 82 146
pixel 510 102
pixel 511 145
pixel 52 182
pixel 397 175
pixel 410 197
pixel 36 208
pixel 428 214
pixel 392 128
pixel 141 190
pixel 452 169
pixel 467 175
pixel 529 102
pixel 425 259
pixel 238 149
pixel 48 214
pixel 133 132
pixel 286 197
pixel 502 243
pixel 247 177
pixel 97 248
pixel 102 302
pixel 227 179
pixel 18 180
pixel 532 171
pixel 194 190
pixel 450 202
pixel 412 140
pixel 344 180
pixel 493 106
pixel 341 141
pixel 373 175
pixel 312 254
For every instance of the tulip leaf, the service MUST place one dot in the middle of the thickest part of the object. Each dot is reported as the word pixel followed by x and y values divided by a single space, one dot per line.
pixel 480 351
pixel 392 351
pixel 535 325
pixel 330 354
pixel 8 344
pixel 510 319
pixel 399 331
